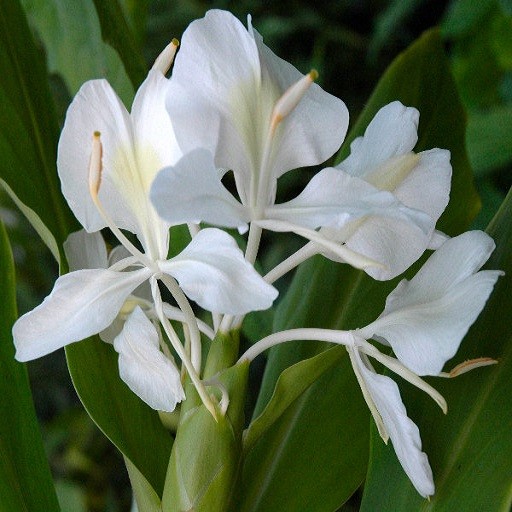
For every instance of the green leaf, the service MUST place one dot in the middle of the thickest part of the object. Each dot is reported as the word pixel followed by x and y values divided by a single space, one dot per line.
pixel 470 449
pixel 464 15
pixel 488 137
pixel 72 39
pixel 123 417
pixel 314 456
pixel 145 496
pixel 118 34
pixel 25 479
pixel 28 128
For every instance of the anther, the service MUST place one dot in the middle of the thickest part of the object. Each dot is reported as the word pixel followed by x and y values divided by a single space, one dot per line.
pixel 164 61
pixel 291 98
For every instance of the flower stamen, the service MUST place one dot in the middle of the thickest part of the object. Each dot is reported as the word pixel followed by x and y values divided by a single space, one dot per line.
pixel 164 61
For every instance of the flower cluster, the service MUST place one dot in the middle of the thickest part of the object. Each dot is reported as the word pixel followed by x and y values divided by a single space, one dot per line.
pixel 233 106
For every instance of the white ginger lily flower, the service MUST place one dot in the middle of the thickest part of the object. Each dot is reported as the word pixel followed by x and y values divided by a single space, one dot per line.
pixel 256 115
pixel 424 322
pixel 236 106
pixel 110 188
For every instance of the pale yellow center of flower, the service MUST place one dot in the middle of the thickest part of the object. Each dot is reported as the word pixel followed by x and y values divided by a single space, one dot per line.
pixel 393 172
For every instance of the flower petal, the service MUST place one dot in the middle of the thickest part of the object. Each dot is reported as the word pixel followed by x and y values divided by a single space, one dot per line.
pixel 96 107
pixel 82 303
pixel 392 132
pixel 426 318
pixel 332 198
pixel 144 368
pixel 212 271
pixel 404 434
pixel 191 191
pixel 223 89
pixel 85 250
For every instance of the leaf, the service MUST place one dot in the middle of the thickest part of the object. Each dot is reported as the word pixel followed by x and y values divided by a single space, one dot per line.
pixel 470 449
pixel 463 15
pixel 25 478
pixel 73 44
pixel 28 130
pixel 488 137
pixel 117 33
pixel 314 456
pixel 133 427
pixel 145 496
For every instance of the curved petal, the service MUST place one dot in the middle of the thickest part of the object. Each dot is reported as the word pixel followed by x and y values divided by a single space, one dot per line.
pixel 332 198
pixel 392 132
pixel 86 250
pixel 144 368
pixel 81 304
pixel 96 107
pixel 191 191
pixel 213 272
pixel 403 432
pixel 426 318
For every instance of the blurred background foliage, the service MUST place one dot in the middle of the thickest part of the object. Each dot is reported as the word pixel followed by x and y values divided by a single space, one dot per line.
pixel 350 43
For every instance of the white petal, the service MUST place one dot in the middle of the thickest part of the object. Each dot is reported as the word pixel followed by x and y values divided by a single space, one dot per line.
pixel 85 250
pixel 81 304
pixel 213 90
pixel 427 186
pixel 332 198
pixel 224 86
pixel 426 318
pixel 392 132
pixel 96 107
pixel 213 272
pixel 144 368
pixel 191 191
pixel 316 127
pixel 404 434
pixel 396 244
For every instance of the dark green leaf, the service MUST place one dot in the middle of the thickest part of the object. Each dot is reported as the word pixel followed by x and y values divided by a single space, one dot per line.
pixel 117 33
pixel 25 479
pixel 126 420
pixel 28 128
pixel 470 449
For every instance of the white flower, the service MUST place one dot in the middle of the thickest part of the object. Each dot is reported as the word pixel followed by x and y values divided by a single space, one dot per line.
pixel 110 188
pixel 424 322
pixel 236 106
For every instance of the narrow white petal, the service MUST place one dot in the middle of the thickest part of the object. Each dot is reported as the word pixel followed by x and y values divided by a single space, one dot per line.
pixel 392 132
pixel 403 432
pixel 144 368
pixel 191 191
pixel 213 272
pixel 82 303
pixel 426 318
pixel 85 250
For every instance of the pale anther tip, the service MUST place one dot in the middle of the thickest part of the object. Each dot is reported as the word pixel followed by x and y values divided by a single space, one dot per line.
pixel 175 42
pixel 96 134
pixel 313 74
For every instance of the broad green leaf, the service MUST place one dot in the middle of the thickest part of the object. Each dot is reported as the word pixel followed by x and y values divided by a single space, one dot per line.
pixel 463 15
pixel 488 137
pixel 470 449
pixel 206 453
pixel 28 128
pixel 71 36
pixel 25 479
pixel 145 496
pixel 317 450
pixel 126 420
pixel 118 34
pixel 290 386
